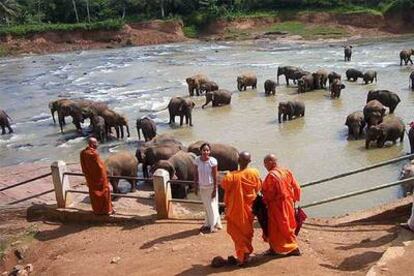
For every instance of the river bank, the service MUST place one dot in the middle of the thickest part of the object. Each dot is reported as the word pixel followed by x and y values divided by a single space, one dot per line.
pixel 299 27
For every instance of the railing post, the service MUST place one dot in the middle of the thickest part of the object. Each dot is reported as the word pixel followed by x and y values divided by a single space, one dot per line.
pixel 162 191
pixel 61 184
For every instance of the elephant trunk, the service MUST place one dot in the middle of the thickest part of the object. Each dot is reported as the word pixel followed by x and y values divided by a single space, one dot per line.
pixel 279 117
pixel 53 115
pixel 139 134
pixel 355 131
pixel 127 129
pixel 239 86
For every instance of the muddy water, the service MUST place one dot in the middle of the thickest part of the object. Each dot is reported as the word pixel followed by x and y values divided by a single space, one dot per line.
pixel 140 81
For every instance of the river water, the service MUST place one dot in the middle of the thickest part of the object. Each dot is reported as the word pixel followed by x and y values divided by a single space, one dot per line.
pixel 140 81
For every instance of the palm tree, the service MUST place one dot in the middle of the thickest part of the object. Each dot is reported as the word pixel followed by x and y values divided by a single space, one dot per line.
pixel 8 9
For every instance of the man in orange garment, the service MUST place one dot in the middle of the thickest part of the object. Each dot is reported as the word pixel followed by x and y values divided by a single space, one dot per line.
pixel 96 178
pixel 241 188
pixel 280 192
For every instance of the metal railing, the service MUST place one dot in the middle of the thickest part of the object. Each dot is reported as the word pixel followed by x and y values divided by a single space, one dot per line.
pixel 26 181
pixel 113 194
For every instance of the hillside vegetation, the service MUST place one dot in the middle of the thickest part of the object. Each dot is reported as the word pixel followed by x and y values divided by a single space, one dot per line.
pixel 22 17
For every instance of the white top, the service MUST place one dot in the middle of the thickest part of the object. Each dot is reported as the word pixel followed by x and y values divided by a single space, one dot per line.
pixel 205 168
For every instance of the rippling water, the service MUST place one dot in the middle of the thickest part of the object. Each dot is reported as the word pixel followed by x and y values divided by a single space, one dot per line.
pixel 140 81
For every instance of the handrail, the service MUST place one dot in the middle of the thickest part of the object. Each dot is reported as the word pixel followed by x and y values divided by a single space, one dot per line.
pixel 360 192
pixel 113 194
pixel 357 170
pixel 190 201
pixel 26 181
pixel 176 181
pixel 112 177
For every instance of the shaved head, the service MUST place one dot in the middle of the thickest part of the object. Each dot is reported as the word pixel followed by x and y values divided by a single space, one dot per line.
pixel 244 159
pixel 92 142
pixel 270 161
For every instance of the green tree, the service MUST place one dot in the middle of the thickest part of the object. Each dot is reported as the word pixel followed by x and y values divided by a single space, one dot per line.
pixel 9 9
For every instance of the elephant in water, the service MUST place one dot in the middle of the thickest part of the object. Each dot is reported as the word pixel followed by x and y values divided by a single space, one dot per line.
pixel 73 109
pixel 270 87
pixel 353 74
pixel 306 83
pixel 247 79
pixel 374 112
pixel 412 80
pixel 387 98
pixel 290 109
pixel 195 82
pixel 336 88
pixel 290 72
pixel 405 55
pixel 148 128
pixel 320 78
pixel 4 122
pixel 113 119
pixel 390 129
pixel 208 86
pixel 369 76
pixel 355 123
pixel 347 52
pixel 122 163
pixel 99 127
pixel 180 166
pixel 218 97
pixel 333 76
pixel 181 107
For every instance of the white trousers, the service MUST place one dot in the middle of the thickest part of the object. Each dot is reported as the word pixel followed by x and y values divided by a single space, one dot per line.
pixel 212 217
pixel 411 219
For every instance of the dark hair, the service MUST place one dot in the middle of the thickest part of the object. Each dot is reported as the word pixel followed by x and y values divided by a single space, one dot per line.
pixel 205 144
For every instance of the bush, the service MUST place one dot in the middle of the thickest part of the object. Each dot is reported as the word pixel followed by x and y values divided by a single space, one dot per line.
pixel 190 31
pixel 22 30
pixel 398 5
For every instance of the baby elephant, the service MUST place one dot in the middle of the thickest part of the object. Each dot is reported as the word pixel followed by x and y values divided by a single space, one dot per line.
pixel 369 76
pixel 218 97
pixel 332 76
pixel 353 74
pixel 387 98
pixel 4 122
pixel 389 130
pixel 208 86
pixel 291 109
pixel 122 163
pixel 270 87
pixel 348 52
pixel 336 88
pixel 245 80
pixel 355 123
pixel 405 55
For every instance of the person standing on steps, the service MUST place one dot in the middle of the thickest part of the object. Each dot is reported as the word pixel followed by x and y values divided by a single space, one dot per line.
pixel 240 190
pixel 280 192
pixel 96 178
pixel 206 184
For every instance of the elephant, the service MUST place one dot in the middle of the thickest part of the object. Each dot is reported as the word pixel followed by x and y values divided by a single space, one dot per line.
pixel 320 78
pixel 374 113
pixel 247 79
pixel 218 97
pixel 148 128
pixel 389 130
pixel 405 55
pixel 347 52
pixel 306 83
pixel 412 80
pixel 73 109
pixel 4 122
pixel 387 98
pixel 333 76
pixel 369 76
pixel 122 163
pixel 353 74
pixel 227 156
pixel 54 106
pixel 195 82
pixel 411 137
pixel 180 166
pixel 208 86
pixel 290 109
pixel 181 107
pixel 355 123
pixel 290 72
pixel 99 127
pixel 336 88
pixel 150 155
pixel 270 87
pixel 113 119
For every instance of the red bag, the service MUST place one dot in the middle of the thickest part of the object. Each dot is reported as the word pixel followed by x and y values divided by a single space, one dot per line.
pixel 300 217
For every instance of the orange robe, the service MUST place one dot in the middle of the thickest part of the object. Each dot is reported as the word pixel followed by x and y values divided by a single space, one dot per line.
pixel 96 177
pixel 241 188
pixel 280 191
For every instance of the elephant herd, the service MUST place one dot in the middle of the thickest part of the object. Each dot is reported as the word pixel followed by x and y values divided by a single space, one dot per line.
pixel 166 152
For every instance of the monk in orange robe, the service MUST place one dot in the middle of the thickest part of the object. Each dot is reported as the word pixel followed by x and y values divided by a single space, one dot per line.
pixel 96 178
pixel 241 188
pixel 280 192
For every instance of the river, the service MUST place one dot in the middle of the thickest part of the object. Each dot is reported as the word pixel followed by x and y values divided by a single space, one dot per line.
pixel 139 81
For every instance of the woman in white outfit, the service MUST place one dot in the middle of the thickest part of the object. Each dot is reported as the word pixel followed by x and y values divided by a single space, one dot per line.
pixel 206 184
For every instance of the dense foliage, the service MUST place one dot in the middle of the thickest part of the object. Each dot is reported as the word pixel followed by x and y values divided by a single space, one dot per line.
pixel 194 12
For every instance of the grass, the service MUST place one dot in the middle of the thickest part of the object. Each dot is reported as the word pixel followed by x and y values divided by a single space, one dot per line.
pixel 24 237
pixel 22 30
pixel 3 51
pixel 308 31
pixel 190 31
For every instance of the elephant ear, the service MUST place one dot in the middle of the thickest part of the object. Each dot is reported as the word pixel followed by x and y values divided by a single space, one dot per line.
pixel 290 107
pixel 171 170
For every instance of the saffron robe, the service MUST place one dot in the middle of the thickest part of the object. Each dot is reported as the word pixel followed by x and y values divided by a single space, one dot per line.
pixel 97 180
pixel 240 190
pixel 280 192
